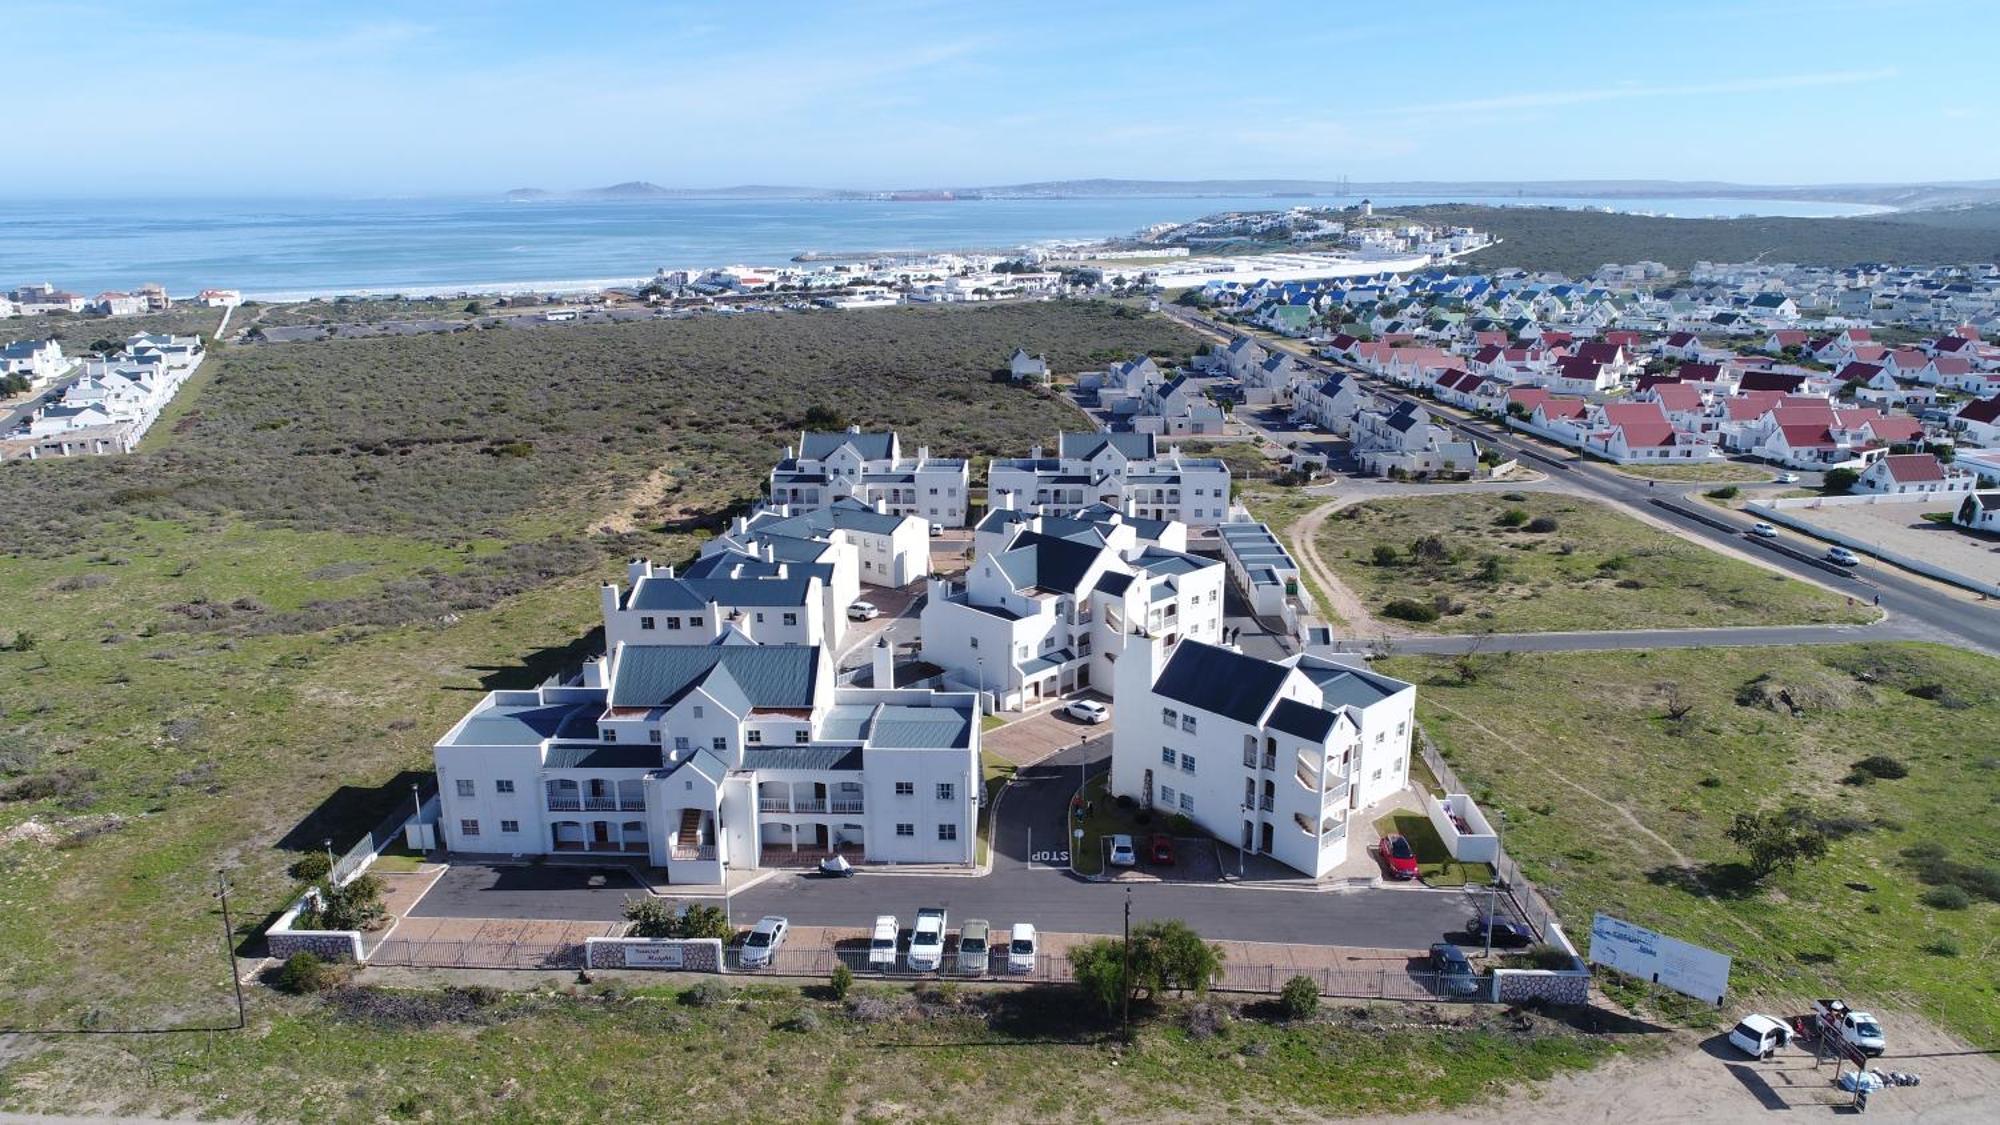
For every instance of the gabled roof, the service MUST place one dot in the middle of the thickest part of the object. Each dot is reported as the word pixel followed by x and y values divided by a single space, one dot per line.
pixel 772 676
pixel 1913 468
pixel 819 444
pixel 1036 561
pixel 1303 721
pixel 1083 447
pixel 1985 410
pixel 1220 681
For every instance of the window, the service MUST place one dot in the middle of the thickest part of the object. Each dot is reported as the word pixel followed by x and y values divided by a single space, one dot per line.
pixel 753 736
pixel 974 640
pixel 1379 735
pixel 1187 763
pixel 468 828
pixel 906 830
pixel 1167 716
pixel 791 619
pixel 1187 723
pixel 1167 796
pixel 681 742
pixel 608 734
pixel 695 621
pixel 504 785
pixel 947 832
pixel 760 617
pixel 1187 802
pixel 509 827
pixel 946 791
pixel 906 789
pixel 720 743
pixel 933 493
pixel 467 787
pixel 645 623
pixel 697 710
pixel 802 736
pixel 1167 755
pixel 654 736
pixel 673 622
pixel 1400 728
pixel 1377 776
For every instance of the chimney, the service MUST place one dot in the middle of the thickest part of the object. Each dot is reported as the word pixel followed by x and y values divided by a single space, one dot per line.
pixel 784 570
pixel 770 551
pixel 854 429
pixel 1035 452
pixel 637 569
pixel 923 454
pixel 1006 499
pixel 607 599
pixel 883 661
pixel 881 505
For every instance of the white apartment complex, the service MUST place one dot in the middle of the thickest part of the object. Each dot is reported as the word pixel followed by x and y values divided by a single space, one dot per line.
pixel 880 548
pixel 827 466
pixel 1052 610
pixel 1271 756
pixel 1125 471
pixel 112 405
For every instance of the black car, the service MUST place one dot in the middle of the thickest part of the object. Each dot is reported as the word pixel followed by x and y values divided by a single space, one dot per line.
pixel 1454 970
pixel 1506 931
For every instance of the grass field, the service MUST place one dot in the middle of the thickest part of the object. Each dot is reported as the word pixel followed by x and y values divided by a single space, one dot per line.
pixel 1613 805
pixel 1596 569
pixel 1435 866
pixel 1724 472
pixel 771 1052
pixel 239 640
pixel 78 333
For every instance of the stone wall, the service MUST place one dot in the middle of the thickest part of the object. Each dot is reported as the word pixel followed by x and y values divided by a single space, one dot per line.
pixel 693 955
pixel 327 945
pixel 1520 986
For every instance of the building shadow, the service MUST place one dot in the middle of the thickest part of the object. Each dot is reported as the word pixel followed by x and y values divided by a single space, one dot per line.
pixel 353 810
pixel 541 664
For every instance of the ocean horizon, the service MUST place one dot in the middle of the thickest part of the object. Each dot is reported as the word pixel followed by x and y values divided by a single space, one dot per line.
pixel 282 249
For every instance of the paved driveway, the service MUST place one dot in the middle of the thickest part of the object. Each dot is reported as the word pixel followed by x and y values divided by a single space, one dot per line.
pixel 1027 741
pixel 478 890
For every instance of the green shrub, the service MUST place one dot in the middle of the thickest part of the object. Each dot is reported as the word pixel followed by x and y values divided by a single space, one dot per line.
pixel 842 981
pixel 1385 555
pixel 310 867
pixel 303 973
pixel 1943 945
pixel 1948 897
pixel 1542 525
pixel 1840 480
pixel 707 994
pixel 1882 766
pixel 1300 998
pixel 1513 517
pixel 1726 492
pixel 1180 824
pixel 1403 609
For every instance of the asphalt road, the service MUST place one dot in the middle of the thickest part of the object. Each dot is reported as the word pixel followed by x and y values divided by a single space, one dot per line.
pixel 1928 610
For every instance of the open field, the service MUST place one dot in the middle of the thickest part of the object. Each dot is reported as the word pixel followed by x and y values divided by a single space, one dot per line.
pixel 77 333
pixel 1479 559
pixel 772 1051
pixel 1610 804
pixel 1724 472
pixel 237 643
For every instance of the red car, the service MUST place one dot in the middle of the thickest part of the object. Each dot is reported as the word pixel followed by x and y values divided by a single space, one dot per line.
pixel 1399 857
pixel 1162 849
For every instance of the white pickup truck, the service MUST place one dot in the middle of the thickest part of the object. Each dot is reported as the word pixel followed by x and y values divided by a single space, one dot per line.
pixel 1859 1030
pixel 927 940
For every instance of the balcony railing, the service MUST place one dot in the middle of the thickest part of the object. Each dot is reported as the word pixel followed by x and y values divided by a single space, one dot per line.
pixel 1270 759
pixel 809 804
pixel 1250 759
pixel 601 804
pixel 774 804
pixel 1335 794
pixel 1266 802
pixel 846 804
pixel 564 804
pixel 1306 777
pixel 703 851
pixel 631 804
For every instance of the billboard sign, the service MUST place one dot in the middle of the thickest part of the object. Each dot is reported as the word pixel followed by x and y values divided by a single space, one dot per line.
pixel 1650 956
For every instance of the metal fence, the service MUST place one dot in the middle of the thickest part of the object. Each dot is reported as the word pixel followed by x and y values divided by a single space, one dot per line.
pixel 1051 968
pixel 478 954
pixel 1528 899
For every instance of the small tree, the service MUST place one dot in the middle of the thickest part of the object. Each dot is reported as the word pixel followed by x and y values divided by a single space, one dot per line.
pixel 650 918
pixel 1183 960
pixel 1776 841
pixel 1300 998
pixel 310 867
pixel 700 921
pixel 842 981
pixel 354 905
pixel 304 972
pixel 1841 480
pixel 1385 555
pixel 1098 968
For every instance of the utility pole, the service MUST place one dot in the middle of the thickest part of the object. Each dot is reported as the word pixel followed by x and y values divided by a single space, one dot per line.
pixel 1126 976
pixel 1492 904
pixel 229 944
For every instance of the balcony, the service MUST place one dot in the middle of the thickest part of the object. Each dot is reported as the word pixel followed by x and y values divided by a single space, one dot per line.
pixel 601 804
pixel 1250 759
pixel 564 804
pixel 631 804
pixel 1270 759
pixel 809 805
pixel 1308 779
pixel 1335 795
pixel 846 804
pixel 1266 802
pixel 774 804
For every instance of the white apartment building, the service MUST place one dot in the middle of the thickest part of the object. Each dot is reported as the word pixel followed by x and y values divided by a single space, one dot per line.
pixel 114 403
pixel 1275 757
pixel 744 599
pixel 39 360
pixel 827 466
pixel 1051 612
pixel 887 550
pixel 702 758
pixel 1125 471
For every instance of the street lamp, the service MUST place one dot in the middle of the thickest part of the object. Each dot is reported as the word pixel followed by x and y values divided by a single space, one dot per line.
pixel 328 845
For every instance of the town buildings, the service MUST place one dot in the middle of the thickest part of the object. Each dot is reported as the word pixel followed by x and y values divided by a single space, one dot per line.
pixel 1126 471
pixel 827 466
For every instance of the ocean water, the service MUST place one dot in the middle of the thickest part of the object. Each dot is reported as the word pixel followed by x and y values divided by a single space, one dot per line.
pixel 291 248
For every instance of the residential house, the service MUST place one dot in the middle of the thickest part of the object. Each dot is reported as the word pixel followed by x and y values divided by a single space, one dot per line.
pixel 1273 757
pixel 1126 471
pixel 827 466
pixel 1025 368
pixel 1331 403
pixel 1404 441
pixel 1907 474
pixel 40 361
pixel 1980 511
pixel 1978 421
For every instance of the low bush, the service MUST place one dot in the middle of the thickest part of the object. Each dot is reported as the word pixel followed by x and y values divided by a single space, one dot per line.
pixel 1948 897
pixel 1403 609
pixel 1943 945
pixel 310 867
pixel 1513 517
pixel 1386 556
pixel 303 973
pixel 1882 766
pixel 707 994
pixel 1300 998
pixel 1543 525
pixel 1726 492
pixel 841 982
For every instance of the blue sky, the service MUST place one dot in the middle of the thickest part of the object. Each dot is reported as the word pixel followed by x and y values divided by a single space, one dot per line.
pixel 379 98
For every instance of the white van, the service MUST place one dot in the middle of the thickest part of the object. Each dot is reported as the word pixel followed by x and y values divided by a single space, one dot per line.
pixel 882 946
pixel 1021 949
pixel 1760 1036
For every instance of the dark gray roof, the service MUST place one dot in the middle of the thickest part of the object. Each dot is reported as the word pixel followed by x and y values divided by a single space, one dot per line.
pixel 1301 721
pixel 1215 679
pixel 1352 687
pixel 658 592
pixel 516 725
pixel 816 445
pixel 764 675
pixel 1112 582
pixel 1083 447
pixel 595 756
pixel 802 757
pixel 1047 562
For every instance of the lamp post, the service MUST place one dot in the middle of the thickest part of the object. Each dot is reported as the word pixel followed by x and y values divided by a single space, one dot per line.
pixel 331 875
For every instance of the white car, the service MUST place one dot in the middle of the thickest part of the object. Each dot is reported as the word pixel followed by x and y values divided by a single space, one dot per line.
pixel 1787 478
pixel 882 946
pixel 1087 711
pixel 1122 854
pixel 927 940
pixel 1021 949
pixel 937 531
pixel 863 611
pixel 1759 1036
pixel 765 938
pixel 1763 531
pixel 1841 556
